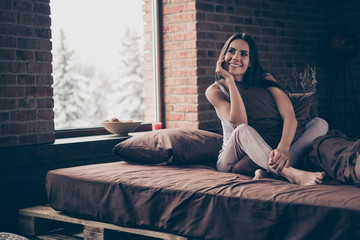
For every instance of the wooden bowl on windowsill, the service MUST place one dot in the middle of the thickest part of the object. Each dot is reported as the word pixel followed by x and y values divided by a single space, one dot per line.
pixel 121 128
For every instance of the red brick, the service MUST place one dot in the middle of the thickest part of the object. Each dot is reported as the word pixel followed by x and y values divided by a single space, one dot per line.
pixel 27 103
pixel 11 91
pixel 8 17
pixel 189 6
pixel 17 30
pixel 12 67
pixel 185 108
pixel 174 64
pixel 45 103
pixel 172 9
pixel 7 104
pixel 191 81
pixel 175 117
pixel 47 137
pixel 43 33
pixel 4 116
pixel 7 79
pixel 44 80
pixel 191 117
pixel 190 63
pixel 45 126
pixel 183 124
pixel 173 46
pixel 185 54
pixel 43 56
pixel 14 128
pixel 7 42
pixel 31 43
pixel 23 116
pixel 173 28
pixel 26 79
pixel 7 54
pixel 25 55
pixel 46 115
pixel 205 7
pixel 190 36
pixel 30 91
pixel 6 5
pixel 42 8
pixel 184 90
pixel 28 139
pixel 23 6
pixel 40 68
pixel 34 20
pixel 44 91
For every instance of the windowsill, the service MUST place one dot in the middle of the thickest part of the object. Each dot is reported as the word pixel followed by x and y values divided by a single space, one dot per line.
pixel 89 139
pixel 89 132
pixel 64 151
pixel 97 138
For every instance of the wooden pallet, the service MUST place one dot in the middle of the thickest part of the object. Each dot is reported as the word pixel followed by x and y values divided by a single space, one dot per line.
pixel 35 221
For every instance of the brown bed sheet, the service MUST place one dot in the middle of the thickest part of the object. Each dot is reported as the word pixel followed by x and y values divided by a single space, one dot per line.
pixel 203 203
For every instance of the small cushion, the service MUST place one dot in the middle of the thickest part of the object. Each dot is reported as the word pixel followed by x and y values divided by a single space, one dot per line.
pixel 171 146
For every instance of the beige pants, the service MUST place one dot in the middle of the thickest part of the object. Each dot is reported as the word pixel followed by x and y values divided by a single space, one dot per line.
pixel 246 140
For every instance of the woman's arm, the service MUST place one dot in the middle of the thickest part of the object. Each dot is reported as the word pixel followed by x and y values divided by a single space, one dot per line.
pixel 280 156
pixel 234 111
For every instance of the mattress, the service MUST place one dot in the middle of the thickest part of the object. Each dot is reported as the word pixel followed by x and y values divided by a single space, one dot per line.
pixel 200 202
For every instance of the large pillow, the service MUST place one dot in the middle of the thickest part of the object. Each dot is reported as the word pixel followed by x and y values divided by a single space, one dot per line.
pixel 171 146
pixel 302 103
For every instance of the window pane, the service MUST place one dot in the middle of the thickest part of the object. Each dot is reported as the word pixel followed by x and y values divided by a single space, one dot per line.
pixel 102 61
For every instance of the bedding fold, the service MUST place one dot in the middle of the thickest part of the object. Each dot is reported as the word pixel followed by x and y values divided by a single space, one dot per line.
pixel 338 155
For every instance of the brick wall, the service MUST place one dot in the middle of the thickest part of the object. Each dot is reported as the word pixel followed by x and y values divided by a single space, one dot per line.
pixel 287 33
pixel 194 31
pixel 26 114
pixel 180 64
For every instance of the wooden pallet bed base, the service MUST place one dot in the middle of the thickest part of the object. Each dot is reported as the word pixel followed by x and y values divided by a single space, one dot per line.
pixel 35 220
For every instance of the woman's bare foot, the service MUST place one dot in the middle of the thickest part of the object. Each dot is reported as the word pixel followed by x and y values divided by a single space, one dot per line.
pixel 259 174
pixel 302 177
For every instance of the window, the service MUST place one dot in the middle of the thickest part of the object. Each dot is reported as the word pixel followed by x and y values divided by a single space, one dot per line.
pixel 103 62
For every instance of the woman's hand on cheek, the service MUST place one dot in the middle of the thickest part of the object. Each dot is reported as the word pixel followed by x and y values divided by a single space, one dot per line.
pixel 278 159
pixel 220 70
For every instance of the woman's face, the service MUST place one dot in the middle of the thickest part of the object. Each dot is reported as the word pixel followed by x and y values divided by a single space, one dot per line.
pixel 237 58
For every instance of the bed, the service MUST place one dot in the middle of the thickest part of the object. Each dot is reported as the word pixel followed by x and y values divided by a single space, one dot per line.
pixel 165 181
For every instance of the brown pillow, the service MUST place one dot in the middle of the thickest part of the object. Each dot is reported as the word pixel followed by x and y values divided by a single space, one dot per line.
pixel 302 103
pixel 171 146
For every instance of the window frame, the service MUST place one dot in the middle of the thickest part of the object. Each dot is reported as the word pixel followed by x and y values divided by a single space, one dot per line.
pixel 158 82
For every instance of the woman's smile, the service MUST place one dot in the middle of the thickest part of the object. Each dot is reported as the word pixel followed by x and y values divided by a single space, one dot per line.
pixel 235 65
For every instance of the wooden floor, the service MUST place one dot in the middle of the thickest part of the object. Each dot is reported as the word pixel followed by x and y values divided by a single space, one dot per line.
pixel 42 222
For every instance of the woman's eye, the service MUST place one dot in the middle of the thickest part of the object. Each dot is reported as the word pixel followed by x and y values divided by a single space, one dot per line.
pixel 232 51
pixel 244 54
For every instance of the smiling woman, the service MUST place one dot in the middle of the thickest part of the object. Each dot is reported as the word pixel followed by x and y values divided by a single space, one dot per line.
pixel 98 62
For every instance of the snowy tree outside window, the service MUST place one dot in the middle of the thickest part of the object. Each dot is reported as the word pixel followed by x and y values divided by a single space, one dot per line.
pixel 98 61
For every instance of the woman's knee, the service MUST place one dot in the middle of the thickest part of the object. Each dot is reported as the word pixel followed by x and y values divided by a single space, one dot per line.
pixel 320 125
pixel 242 128
pixel 222 166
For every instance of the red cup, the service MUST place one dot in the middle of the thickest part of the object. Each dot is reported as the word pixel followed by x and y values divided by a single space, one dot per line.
pixel 156 126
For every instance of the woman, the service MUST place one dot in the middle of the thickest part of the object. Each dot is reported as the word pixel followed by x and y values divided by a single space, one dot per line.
pixel 257 117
